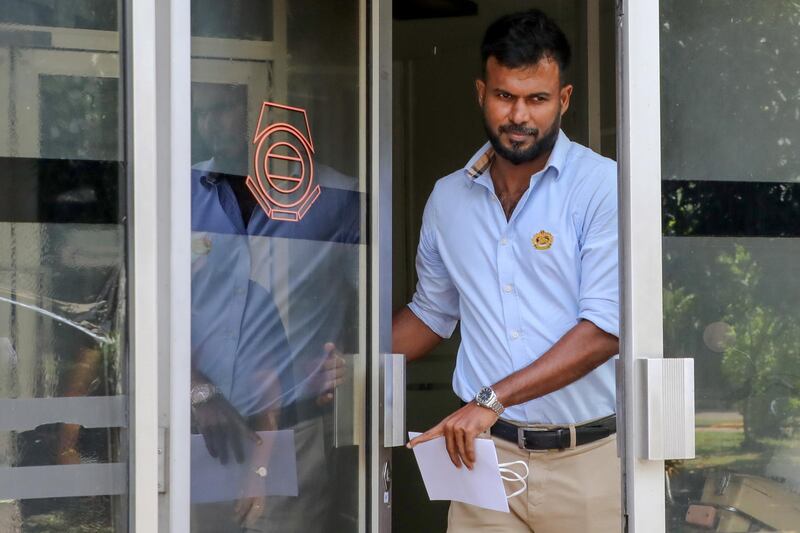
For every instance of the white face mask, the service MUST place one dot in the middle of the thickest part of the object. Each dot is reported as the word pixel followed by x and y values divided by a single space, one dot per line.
pixel 509 475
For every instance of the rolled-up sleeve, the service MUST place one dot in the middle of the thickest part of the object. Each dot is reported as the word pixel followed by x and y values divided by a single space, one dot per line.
pixel 435 301
pixel 599 286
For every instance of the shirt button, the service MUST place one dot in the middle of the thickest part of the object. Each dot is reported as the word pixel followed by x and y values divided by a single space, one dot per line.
pixel 239 291
pixel 503 241
pixel 508 288
pixel 515 334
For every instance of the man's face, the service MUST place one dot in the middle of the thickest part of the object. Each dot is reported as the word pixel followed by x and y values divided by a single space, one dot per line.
pixel 522 108
pixel 221 121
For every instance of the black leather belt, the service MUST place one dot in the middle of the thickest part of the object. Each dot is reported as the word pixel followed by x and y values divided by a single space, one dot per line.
pixel 531 438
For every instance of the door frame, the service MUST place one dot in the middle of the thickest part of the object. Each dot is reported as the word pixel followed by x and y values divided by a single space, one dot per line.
pixel 639 149
pixel 146 343
pixel 158 67
pixel 379 51
pixel 157 64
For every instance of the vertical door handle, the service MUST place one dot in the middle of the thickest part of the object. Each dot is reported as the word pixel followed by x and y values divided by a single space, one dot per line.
pixel 394 400
pixel 387 476
pixel 666 387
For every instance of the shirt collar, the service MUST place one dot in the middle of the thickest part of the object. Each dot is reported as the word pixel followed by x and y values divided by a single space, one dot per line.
pixel 209 175
pixel 480 162
pixel 483 158
pixel 208 178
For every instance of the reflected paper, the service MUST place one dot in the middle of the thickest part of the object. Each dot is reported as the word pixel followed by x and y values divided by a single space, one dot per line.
pixel 214 482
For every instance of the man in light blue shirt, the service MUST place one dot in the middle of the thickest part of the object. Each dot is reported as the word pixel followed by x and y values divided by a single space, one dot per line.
pixel 521 247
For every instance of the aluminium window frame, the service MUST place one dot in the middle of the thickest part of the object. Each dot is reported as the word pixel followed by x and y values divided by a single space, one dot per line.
pixel 157 67
pixel 639 149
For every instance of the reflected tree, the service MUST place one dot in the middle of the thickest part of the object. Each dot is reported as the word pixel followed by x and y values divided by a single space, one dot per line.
pixel 761 360
pixel 729 92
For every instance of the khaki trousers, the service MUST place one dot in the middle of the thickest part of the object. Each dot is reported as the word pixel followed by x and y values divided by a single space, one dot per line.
pixel 569 491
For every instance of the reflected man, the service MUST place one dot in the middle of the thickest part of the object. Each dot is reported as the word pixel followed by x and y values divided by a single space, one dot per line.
pixel 270 300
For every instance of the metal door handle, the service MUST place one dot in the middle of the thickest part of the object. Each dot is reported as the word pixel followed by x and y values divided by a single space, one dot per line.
pixel 394 400
pixel 666 385
pixel 387 476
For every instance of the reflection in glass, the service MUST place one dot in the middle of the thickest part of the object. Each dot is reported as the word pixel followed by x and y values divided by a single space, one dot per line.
pixel 78 117
pixel 729 102
pixel 63 295
pixel 83 14
pixel 730 125
pixel 234 19
pixel 276 301
pixel 728 302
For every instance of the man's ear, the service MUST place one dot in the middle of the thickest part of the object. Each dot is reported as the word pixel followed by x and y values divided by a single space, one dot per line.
pixel 564 96
pixel 480 89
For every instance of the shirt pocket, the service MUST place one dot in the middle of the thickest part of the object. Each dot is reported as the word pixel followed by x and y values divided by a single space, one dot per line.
pixel 550 253
pixel 549 290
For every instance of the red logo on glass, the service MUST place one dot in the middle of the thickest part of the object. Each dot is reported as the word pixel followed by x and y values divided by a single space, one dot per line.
pixel 283 165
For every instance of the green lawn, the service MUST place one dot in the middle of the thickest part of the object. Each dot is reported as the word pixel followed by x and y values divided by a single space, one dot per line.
pixel 723 449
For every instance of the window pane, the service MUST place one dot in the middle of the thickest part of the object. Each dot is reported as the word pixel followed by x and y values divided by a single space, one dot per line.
pixel 730 128
pixel 278 268
pixel 233 19
pixel 63 295
pixel 83 14
pixel 729 100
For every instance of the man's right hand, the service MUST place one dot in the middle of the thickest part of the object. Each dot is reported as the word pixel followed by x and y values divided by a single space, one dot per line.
pixel 330 375
pixel 223 428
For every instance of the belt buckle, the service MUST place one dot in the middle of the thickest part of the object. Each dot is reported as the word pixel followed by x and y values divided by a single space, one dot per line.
pixel 521 438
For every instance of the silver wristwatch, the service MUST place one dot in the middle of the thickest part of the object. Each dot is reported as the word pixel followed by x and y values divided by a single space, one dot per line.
pixel 487 398
pixel 202 392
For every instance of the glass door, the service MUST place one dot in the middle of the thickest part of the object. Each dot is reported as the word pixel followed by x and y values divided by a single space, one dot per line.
pixel 711 269
pixel 284 316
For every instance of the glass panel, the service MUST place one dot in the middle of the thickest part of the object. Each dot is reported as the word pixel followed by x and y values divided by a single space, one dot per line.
pixel 84 14
pixel 730 125
pixel 278 269
pixel 78 117
pixel 730 66
pixel 63 295
pixel 233 19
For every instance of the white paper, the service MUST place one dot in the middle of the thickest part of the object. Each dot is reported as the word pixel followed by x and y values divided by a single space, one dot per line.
pixel 482 486
pixel 214 482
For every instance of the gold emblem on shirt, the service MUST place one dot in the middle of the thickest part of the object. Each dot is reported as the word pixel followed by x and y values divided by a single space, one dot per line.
pixel 542 240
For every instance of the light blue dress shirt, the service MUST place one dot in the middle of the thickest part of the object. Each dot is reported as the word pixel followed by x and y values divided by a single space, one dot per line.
pixel 515 299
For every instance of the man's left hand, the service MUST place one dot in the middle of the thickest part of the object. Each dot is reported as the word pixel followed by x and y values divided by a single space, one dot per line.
pixel 459 431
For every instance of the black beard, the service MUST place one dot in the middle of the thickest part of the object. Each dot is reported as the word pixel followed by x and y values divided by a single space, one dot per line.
pixel 517 156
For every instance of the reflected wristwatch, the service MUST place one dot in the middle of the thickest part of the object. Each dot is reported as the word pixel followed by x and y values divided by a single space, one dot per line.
pixel 487 398
pixel 202 392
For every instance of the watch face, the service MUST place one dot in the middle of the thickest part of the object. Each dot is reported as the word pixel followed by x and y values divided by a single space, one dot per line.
pixel 202 393
pixel 484 395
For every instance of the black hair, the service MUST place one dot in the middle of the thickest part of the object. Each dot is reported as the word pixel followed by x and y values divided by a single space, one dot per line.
pixel 523 39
